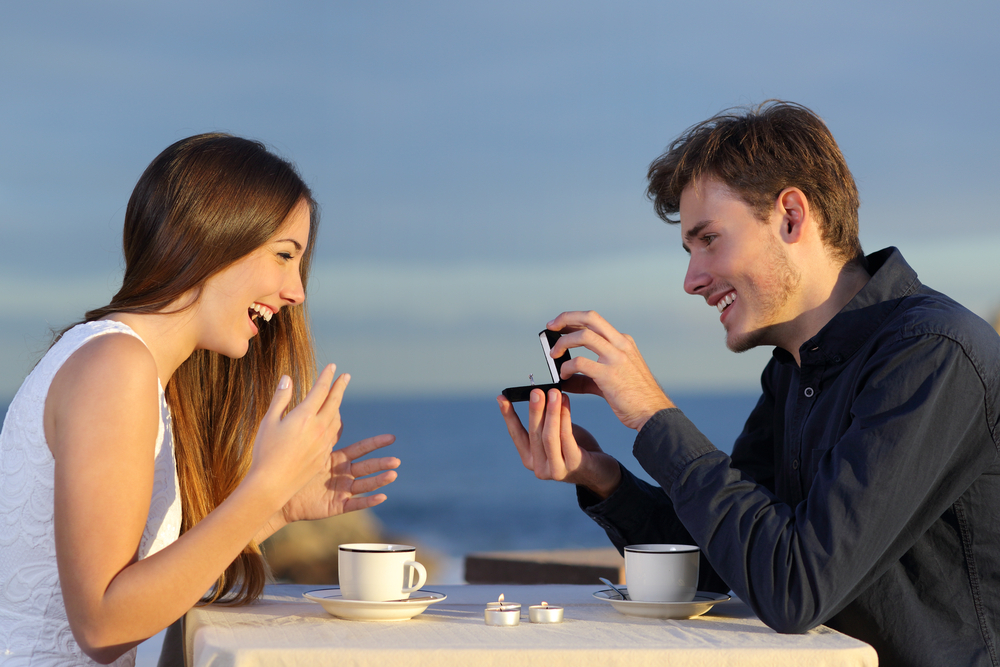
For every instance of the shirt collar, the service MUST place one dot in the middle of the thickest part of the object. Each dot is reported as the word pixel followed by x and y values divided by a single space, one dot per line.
pixel 891 280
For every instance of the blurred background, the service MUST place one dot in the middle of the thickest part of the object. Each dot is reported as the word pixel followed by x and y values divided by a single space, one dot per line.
pixel 481 168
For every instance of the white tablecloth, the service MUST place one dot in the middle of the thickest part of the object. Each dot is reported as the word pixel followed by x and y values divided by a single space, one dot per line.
pixel 285 629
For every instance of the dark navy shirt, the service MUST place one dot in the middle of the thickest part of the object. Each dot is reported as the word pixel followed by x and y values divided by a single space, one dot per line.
pixel 864 490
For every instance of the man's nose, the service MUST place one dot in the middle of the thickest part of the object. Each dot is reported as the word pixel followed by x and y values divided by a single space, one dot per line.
pixel 696 279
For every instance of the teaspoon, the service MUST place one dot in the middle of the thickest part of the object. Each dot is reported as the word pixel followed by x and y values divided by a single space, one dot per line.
pixel 608 583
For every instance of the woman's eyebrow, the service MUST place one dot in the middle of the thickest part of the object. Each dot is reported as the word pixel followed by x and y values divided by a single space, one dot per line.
pixel 298 246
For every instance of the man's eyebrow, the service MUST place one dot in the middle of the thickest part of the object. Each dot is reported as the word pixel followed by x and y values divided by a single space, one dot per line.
pixel 693 233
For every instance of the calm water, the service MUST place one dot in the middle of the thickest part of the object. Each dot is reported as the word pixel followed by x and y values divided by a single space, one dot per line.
pixel 462 487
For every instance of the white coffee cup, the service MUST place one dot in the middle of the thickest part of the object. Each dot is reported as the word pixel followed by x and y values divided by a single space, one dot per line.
pixel 378 572
pixel 661 572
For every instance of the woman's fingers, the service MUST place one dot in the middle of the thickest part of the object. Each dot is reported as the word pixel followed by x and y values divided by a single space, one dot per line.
pixel 280 400
pixel 368 445
pixel 321 388
pixel 371 466
pixel 364 502
pixel 369 484
pixel 334 397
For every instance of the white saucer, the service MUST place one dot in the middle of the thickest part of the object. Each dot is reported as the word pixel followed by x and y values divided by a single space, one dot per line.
pixel 702 602
pixel 363 610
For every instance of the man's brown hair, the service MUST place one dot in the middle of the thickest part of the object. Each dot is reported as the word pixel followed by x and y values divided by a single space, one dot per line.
pixel 758 152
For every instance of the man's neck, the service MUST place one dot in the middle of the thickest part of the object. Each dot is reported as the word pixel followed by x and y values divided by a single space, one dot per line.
pixel 824 297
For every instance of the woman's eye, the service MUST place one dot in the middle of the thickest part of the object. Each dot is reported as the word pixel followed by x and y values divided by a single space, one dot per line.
pixel 285 255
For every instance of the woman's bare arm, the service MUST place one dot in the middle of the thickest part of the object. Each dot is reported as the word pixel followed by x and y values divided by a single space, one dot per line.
pixel 101 420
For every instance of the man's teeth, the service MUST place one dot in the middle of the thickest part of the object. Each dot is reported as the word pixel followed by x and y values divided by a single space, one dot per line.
pixel 263 311
pixel 724 303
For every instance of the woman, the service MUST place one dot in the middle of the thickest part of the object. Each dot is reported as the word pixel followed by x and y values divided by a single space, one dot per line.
pixel 199 356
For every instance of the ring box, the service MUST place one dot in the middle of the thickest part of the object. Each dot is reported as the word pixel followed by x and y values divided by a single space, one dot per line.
pixel 548 339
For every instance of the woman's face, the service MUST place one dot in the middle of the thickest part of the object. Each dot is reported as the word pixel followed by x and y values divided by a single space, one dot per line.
pixel 241 298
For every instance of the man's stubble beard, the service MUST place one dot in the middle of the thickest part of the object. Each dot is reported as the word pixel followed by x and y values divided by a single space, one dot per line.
pixel 768 297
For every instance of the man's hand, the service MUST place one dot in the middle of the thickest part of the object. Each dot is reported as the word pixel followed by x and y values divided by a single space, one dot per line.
pixel 620 375
pixel 554 448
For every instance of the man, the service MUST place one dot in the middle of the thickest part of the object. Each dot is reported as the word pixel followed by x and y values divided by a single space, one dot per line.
pixel 864 490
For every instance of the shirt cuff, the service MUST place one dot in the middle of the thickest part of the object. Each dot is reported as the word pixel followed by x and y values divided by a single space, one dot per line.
pixel 667 443
pixel 616 514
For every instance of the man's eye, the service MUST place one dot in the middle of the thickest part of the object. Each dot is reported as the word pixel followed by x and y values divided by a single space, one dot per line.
pixel 708 239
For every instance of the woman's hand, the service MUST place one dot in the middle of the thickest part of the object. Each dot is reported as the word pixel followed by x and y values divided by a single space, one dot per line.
pixel 290 450
pixel 333 491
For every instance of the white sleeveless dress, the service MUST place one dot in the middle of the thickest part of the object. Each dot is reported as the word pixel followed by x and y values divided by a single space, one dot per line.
pixel 33 625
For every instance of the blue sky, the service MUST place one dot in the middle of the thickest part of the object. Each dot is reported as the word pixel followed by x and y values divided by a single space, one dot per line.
pixel 481 165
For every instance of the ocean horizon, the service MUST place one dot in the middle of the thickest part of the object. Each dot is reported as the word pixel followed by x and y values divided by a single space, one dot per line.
pixel 462 487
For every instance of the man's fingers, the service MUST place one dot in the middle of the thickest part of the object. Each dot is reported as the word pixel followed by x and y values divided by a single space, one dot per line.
pixel 565 427
pixel 536 421
pixel 587 339
pixel 578 383
pixel 551 431
pixel 585 367
pixel 516 431
pixel 584 439
pixel 583 319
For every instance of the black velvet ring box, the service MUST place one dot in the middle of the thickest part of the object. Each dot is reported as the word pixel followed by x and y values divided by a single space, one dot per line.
pixel 548 339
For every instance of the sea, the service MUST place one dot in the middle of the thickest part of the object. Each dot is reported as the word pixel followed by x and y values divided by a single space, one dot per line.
pixel 462 488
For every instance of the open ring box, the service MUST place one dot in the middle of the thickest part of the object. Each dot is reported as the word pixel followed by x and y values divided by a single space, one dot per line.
pixel 548 339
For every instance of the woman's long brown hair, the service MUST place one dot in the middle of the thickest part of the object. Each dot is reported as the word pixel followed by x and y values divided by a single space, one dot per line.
pixel 202 204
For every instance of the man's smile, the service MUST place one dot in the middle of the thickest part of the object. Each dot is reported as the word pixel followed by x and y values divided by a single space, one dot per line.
pixel 726 301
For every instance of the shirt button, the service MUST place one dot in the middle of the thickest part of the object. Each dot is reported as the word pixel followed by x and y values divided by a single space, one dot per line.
pixel 809 392
pixel 795 464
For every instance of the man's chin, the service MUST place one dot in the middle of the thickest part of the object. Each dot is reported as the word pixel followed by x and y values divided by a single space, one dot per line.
pixel 742 342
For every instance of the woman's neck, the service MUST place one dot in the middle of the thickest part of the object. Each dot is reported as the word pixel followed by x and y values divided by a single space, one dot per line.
pixel 169 337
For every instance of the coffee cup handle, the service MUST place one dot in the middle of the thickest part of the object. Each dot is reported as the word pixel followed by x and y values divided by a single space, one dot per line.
pixel 421 576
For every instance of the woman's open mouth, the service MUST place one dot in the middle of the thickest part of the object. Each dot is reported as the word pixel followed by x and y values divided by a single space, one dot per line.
pixel 260 310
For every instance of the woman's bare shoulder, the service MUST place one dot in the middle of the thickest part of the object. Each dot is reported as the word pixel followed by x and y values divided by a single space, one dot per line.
pixel 109 384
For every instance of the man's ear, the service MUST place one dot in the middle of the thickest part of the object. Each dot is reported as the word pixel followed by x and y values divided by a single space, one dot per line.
pixel 793 207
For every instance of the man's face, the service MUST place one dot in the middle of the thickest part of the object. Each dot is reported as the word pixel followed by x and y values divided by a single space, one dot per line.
pixel 738 264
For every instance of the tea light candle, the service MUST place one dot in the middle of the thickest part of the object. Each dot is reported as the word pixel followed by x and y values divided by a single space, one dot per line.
pixel 545 613
pixel 503 613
